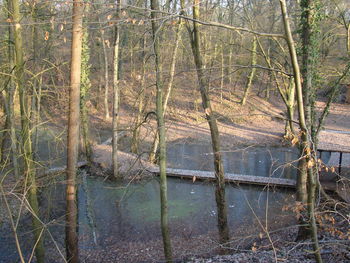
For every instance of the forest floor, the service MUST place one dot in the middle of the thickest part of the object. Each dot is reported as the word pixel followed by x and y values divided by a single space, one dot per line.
pixel 259 123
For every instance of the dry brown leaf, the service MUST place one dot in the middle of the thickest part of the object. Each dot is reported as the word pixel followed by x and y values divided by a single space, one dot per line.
pixel 310 163
pixel 295 140
pixel 207 111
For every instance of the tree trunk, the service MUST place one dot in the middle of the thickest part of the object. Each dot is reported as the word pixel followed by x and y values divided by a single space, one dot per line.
pixel 252 72
pixel 290 101
pixel 116 95
pixel 162 140
pixel 222 80
pixel 287 94
pixel 141 98
pixel 305 145
pixel 9 103
pixel 214 131
pixel 84 93
pixel 152 156
pixel 29 172
pixel 105 56
pixel 73 133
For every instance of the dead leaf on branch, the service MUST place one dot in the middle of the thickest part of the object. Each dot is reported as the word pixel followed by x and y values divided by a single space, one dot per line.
pixel 310 163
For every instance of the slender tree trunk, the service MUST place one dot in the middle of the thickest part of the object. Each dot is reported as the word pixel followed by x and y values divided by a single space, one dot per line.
pixel 252 72
pixel 347 97
pixel 5 130
pixel 84 93
pixel 161 131
pixel 152 156
pixel 222 80
pixel 29 172
pixel 306 147
pixel 9 103
pixel 105 57
pixel 141 98
pixel 36 99
pixel 116 95
pixel 214 131
pixel 287 95
pixel 290 107
pixel 73 133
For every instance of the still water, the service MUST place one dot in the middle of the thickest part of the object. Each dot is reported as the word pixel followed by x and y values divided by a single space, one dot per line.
pixel 115 214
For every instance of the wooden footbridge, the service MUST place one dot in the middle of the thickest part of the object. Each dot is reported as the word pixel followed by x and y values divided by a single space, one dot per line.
pixel 336 160
pixel 229 177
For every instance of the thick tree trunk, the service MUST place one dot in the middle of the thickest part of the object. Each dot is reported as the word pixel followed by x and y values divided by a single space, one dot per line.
pixel 162 140
pixel 214 131
pixel 305 144
pixel 73 133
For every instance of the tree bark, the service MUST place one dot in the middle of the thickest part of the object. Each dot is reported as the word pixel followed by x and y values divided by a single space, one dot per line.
pixel 29 172
pixel 106 75
pixel 162 139
pixel 152 156
pixel 305 145
pixel 116 94
pixel 141 98
pixel 9 103
pixel 252 72
pixel 73 133
pixel 214 131
pixel 84 93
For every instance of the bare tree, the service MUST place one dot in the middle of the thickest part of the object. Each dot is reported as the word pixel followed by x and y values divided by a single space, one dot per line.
pixel 161 132
pixel 203 83
pixel 116 94
pixel 73 132
pixel 29 171
pixel 305 144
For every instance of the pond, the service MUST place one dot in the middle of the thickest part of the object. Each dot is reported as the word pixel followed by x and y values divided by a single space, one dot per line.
pixel 118 219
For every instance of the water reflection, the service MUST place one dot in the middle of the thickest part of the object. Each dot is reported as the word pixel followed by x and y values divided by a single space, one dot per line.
pixel 132 213
pixel 129 213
